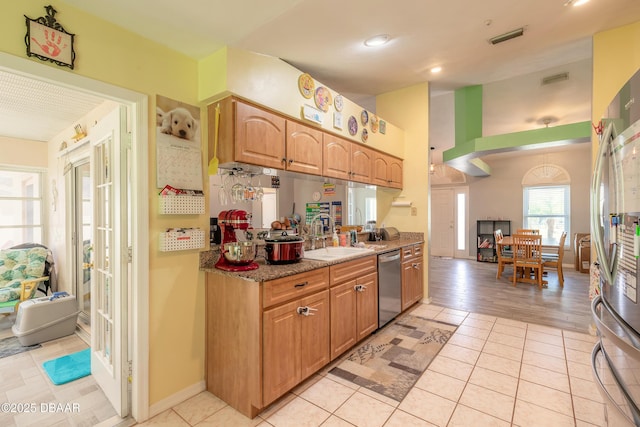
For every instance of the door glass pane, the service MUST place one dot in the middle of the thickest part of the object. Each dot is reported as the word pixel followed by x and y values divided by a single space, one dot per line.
pixel 85 242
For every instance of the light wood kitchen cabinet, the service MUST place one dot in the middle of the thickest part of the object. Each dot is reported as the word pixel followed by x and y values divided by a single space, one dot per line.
pixel 254 135
pixel 304 146
pixel 354 303
pixel 248 134
pixel 336 157
pixel 412 275
pixel 296 343
pixel 257 344
pixel 387 170
pixel 361 163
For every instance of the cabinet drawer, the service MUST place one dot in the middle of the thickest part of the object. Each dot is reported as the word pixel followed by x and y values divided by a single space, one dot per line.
pixel 412 252
pixel 290 287
pixel 353 269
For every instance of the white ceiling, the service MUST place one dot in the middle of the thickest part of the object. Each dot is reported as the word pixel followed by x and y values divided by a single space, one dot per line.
pixel 325 38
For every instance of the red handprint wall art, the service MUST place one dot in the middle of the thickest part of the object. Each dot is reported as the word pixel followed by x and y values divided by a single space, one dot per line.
pixel 47 40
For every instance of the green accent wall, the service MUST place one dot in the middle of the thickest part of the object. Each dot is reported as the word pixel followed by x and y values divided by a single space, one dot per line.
pixel 468 114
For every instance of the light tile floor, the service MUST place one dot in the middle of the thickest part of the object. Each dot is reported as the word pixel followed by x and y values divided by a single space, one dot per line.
pixel 492 372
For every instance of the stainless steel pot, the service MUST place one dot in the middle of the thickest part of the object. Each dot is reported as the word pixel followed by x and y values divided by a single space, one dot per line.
pixel 284 249
pixel 240 253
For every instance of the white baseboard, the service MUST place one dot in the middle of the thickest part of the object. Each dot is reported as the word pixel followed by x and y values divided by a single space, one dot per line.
pixel 175 399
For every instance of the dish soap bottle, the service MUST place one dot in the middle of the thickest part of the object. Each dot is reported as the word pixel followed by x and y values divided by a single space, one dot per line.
pixel 336 241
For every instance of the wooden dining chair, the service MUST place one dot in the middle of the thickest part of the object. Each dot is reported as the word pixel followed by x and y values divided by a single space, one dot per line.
pixel 527 231
pixel 554 259
pixel 527 256
pixel 503 258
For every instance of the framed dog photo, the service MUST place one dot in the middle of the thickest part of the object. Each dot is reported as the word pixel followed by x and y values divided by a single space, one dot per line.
pixel 47 40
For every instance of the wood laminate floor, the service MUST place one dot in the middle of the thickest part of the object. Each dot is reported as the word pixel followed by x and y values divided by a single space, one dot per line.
pixel 472 286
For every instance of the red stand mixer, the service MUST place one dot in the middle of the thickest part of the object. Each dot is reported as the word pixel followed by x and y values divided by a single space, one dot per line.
pixel 234 255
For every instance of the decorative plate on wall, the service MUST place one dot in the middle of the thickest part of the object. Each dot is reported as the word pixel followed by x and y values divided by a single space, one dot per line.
pixel 306 85
pixel 383 127
pixel 353 125
pixel 338 102
pixel 323 98
pixel 365 135
pixel 374 123
pixel 364 117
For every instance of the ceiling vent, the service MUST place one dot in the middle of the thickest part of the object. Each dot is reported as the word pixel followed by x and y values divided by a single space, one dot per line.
pixel 507 36
pixel 555 78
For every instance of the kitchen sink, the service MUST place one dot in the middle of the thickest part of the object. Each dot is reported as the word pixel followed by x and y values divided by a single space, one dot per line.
pixel 335 253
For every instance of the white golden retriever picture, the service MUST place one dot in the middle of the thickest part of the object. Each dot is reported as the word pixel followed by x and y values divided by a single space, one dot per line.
pixel 179 122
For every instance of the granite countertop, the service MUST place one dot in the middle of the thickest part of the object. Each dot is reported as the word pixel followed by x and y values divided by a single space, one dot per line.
pixel 275 271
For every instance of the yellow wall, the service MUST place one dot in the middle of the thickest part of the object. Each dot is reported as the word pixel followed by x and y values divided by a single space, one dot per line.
pixel 271 82
pixel 616 57
pixel 176 287
pixel 408 108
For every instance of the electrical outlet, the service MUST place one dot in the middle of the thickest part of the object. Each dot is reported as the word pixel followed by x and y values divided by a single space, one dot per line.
pixel 414 211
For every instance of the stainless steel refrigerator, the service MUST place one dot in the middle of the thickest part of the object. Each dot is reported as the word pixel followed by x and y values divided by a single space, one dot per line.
pixel 616 236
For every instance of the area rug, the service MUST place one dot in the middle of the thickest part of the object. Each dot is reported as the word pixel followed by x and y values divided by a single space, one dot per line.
pixel 393 359
pixel 68 368
pixel 10 346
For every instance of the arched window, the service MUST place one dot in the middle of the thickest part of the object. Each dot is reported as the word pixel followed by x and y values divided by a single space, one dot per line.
pixel 547 202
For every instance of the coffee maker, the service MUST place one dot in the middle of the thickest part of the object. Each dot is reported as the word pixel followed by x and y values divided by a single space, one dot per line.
pixel 234 255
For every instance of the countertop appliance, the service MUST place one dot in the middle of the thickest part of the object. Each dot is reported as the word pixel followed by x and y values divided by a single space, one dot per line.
pixel 389 286
pixel 229 221
pixel 616 235
pixel 390 233
pixel 283 249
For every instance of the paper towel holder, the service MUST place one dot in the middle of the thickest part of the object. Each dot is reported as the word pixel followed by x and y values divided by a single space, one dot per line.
pixel 401 203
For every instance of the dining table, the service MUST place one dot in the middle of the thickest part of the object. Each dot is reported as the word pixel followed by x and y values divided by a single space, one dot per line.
pixel 552 249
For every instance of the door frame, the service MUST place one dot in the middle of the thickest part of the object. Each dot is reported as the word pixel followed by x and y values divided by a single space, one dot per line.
pixel 137 106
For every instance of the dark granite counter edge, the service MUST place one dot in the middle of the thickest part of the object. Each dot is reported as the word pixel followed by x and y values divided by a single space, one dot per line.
pixel 271 272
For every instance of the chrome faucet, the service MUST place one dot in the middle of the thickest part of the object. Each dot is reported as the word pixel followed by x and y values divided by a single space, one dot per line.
pixel 315 237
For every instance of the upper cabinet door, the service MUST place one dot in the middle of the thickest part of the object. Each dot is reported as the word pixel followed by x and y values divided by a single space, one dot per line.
pixel 395 172
pixel 380 169
pixel 336 157
pixel 361 163
pixel 260 137
pixel 304 149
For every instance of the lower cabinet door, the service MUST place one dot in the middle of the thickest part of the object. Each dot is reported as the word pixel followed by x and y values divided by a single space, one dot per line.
pixel 314 334
pixel 343 318
pixel 367 305
pixel 281 351
pixel 295 343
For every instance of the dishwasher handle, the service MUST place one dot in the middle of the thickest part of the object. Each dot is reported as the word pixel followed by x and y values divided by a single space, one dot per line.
pixel 389 257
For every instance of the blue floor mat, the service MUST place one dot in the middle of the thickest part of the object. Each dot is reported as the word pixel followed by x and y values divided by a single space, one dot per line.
pixel 70 367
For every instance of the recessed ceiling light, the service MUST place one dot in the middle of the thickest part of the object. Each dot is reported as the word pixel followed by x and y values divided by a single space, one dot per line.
pixel 378 40
pixel 436 70
pixel 575 2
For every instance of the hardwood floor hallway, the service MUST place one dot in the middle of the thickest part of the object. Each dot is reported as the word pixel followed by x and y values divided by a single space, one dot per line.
pixel 469 285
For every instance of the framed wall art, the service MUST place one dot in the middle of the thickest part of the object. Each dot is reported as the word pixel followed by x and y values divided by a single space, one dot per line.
pixel 47 40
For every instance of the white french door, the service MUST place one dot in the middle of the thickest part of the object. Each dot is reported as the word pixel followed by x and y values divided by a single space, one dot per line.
pixel 110 275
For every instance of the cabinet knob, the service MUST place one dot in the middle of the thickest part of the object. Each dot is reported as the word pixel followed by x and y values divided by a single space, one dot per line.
pixel 359 288
pixel 290 161
pixel 284 160
pixel 414 265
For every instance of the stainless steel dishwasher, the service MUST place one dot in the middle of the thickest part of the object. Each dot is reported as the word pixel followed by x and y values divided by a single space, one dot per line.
pixel 389 286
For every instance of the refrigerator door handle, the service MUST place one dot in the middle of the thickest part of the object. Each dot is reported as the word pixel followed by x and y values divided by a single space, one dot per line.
pixel 608 265
pixel 610 335
pixel 603 389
